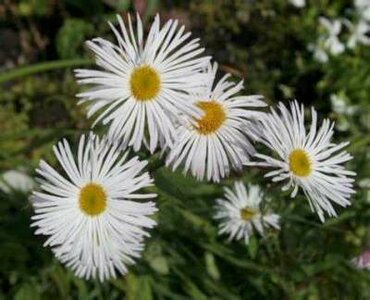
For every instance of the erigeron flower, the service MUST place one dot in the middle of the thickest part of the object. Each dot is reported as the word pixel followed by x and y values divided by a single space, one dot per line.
pixel 306 160
pixel 143 83
pixel 239 213
pixel 217 142
pixel 94 215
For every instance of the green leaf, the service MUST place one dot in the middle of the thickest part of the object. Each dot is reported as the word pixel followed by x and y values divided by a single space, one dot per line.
pixel 138 287
pixel 253 247
pixel 211 266
pixel 160 265
pixel 19 72
pixel 194 291
pixel 26 292
pixel 71 37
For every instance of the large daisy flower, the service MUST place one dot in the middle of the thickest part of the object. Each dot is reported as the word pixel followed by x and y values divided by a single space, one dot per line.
pixel 240 213
pixel 306 159
pixel 94 223
pixel 143 84
pixel 217 141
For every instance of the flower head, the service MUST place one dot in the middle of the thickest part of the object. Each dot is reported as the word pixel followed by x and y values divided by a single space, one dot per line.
pixel 94 223
pixel 362 262
pixel 218 141
pixel 308 160
pixel 15 180
pixel 331 41
pixel 363 9
pixel 298 3
pixel 240 212
pixel 359 33
pixel 143 83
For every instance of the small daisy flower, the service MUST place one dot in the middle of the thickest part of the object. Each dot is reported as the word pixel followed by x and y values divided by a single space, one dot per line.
pixel 217 142
pixel 94 223
pixel 240 213
pixel 142 84
pixel 307 160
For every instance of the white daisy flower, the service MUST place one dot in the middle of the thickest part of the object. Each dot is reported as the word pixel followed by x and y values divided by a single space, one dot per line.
pixel 215 143
pixel 94 224
pixel 240 212
pixel 143 84
pixel 308 160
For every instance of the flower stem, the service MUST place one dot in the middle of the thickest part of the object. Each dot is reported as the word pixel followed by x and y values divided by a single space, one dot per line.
pixel 42 67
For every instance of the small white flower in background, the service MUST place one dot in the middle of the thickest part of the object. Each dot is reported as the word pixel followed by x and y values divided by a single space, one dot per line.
pixel 319 53
pixel 331 41
pixel 298 3
pixel 94 222
pixel 239 213
pixel 143 84
pixel 310 161
pixel 364 183
pixel 339 105
pixel 363 8
pixel 358 33
pixel 362 261
pixel 217 142
pixel 15 180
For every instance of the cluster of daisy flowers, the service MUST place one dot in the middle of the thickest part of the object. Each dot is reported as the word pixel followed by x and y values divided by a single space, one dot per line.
pixel 161 93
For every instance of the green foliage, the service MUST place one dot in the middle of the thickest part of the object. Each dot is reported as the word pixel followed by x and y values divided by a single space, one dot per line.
pixel 263 41
pixel 71 37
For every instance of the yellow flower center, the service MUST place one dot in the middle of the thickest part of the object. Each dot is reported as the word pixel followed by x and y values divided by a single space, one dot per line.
pixel 93 199
pixel 247 214
pixel 145 83
pixel 214 116
pixel 300 163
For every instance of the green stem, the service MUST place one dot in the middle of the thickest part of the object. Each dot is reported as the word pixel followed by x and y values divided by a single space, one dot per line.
pixel 42 67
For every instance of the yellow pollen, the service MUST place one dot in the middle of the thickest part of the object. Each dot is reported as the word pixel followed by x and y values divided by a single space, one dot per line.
pixel 145 83
pixel 93 199
pixel 300 163
pixel 214 116
pixel 247 214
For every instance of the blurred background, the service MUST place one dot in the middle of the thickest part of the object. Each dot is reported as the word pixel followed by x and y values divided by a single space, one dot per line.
pixel 317 51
